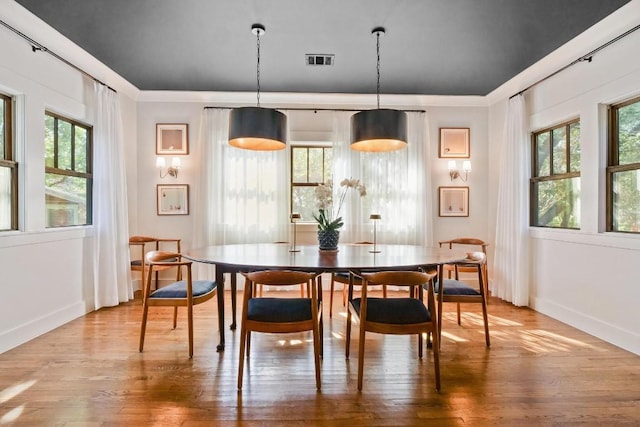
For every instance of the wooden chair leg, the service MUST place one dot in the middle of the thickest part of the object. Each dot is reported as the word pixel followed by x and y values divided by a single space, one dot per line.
pixel 331 299
pixel 486 322
pixel 143 327
pixel 459 322
pixel 361 357
pixel 316 355
pixel 420 345
pixel 243 338
pixel 347 340
pixel 175 317
pixel 436 358
pixel 190 321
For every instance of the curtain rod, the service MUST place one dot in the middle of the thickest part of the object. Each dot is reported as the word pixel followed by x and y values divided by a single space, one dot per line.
pixel 584 58
pixel 35 46
pixel 313 109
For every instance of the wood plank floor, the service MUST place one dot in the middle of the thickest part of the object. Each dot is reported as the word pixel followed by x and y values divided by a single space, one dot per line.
pixel 537 372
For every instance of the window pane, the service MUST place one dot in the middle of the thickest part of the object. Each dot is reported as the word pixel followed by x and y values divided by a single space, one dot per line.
pixel 542 143
pixel 64 145
pixel 66 200
pixel 299 156
pixel 559 150
pixel 626 201
pixel 629 134
pixel 328 161
pixel 558 203
pixel 304 202
pixel 316 164
pixel 5 198
pixel 81 149
pixel 574 141
pixel 49 153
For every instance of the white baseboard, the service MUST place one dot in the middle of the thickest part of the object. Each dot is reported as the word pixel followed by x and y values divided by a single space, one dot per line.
pixel 623 338
pixel 28 331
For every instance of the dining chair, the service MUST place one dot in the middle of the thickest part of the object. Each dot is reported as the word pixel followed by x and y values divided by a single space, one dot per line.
pixel 459 291
pixel 342 277
pixel 470 243
pixel 181 293
pixel 139 248
pixel 399 315
pixel 282 314
pixel 260 287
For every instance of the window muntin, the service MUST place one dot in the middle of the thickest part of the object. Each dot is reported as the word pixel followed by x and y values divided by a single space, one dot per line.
pixel 68 179
pixel 310 166
pixel 623 170
pixel 8 168
pixel 555 184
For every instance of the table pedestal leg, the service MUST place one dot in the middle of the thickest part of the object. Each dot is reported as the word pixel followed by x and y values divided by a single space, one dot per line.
pixel 220 285
pixel 234 289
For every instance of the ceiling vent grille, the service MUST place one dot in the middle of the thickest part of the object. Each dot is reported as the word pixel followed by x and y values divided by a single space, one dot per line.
pixel 321 60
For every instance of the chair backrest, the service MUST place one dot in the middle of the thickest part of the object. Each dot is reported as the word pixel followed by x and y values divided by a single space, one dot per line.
pixel 163 260
pixel 480 245
pixel 279 277
pixel 398 278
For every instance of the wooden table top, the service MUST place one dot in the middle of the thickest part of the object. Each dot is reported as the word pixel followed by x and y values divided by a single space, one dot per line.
pixel 309 257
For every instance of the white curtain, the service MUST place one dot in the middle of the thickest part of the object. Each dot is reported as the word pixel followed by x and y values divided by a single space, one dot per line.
pixel 241 195
pixel 510 277
pixel 398 186
pixel 112 280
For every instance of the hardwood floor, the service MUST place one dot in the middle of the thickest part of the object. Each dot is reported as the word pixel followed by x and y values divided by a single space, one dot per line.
pixel 537 372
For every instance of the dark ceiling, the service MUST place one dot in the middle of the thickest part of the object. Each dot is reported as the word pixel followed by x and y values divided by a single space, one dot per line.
pixel 431 47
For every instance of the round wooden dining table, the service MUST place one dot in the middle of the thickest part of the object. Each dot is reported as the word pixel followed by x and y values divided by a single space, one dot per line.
pixel 349 257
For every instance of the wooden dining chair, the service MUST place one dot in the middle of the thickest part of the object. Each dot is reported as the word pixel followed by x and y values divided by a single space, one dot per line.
pixel 342 277
pixel 181 293
pixel 140 245
pixel 398 316
pixel 282 314
pixel 469 243
pixel 458 291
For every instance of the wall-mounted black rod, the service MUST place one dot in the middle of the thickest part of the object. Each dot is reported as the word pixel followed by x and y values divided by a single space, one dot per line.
pixel 584 58
pixel 35 47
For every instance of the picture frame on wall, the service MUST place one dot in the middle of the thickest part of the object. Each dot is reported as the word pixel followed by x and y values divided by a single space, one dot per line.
pixel 173 199
pixel 455 143
pixel 453 201
pixel 172 138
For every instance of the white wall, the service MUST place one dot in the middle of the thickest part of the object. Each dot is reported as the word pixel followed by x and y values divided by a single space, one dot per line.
pixel 46 275
pixel 588 278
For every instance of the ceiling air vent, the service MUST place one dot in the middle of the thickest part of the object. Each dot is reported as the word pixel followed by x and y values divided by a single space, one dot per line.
pixel 315 59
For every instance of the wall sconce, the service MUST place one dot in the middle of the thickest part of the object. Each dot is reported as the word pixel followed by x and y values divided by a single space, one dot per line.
pixel 455 173
pixel 294 219
pixel 375 218
pixel 161 163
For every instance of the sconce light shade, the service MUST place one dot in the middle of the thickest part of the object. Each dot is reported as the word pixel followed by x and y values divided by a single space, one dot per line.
pixel 256 128
pixel 379 130
pixel 466 166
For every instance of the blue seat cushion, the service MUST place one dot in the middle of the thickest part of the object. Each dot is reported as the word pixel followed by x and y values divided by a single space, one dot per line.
pixel 395 311
pixel 455 287
pixel 136 262
pixel 279 310
pixel 179 289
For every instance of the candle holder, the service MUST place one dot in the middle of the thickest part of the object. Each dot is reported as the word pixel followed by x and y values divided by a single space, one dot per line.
pixel 375 218
pixel 294 218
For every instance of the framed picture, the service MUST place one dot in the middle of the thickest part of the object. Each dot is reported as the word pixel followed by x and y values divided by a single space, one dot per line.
pixel 172 138
pixel 453 201
pixel 173 199
pixel 454 143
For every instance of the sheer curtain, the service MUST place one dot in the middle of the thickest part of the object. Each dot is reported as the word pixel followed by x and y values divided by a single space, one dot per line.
pixel 398 186
pixel 511 260
pixel 112 280
pixel 241 195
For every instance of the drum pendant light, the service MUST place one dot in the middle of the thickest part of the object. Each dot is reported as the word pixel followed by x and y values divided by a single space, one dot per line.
pixel 256 128
pixel 380 129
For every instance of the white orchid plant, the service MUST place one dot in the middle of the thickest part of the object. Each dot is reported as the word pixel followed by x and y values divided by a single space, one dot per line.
pixel 328 217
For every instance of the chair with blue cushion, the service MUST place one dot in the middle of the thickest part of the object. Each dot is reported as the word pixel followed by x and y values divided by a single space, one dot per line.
pixel 343 278
pixel 282 314
pixel 398 315
pixel 458 291
pixel 181 293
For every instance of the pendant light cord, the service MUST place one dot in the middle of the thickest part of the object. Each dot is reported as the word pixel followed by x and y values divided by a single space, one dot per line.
pixel 378 67
pixel 258 65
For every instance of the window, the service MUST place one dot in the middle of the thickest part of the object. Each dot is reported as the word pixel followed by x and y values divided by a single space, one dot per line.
pixel 623 168
pixel 8 168
pixel 310 166
pixel 555 184
pixel 68 179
